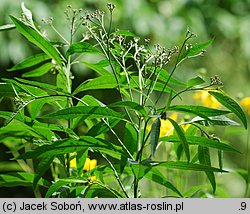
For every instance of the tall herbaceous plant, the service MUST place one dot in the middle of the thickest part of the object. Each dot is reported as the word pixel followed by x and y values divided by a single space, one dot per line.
pixel 68 143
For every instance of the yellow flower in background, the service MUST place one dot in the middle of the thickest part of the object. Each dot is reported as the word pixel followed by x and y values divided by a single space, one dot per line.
pixel 166 125
pixel 206 99
pixel 89 164
pixel 246 104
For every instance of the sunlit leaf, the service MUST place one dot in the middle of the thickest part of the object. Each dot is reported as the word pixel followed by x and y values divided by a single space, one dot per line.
pixel 230 104
pixel 216 120
pixel 40 71
pixel 88 111
pixel 35 38
pixel 195 81
pixel 99 67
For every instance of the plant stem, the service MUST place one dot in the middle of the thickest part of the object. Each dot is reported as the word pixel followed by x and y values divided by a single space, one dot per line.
pixel 246 195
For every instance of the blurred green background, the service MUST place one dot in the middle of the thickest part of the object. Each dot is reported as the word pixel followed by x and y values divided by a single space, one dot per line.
pixel 164 22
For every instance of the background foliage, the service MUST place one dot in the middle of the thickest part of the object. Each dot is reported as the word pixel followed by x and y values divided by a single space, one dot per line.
pixel 164 22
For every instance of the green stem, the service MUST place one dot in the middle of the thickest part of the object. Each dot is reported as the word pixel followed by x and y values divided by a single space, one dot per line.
pixel 246 195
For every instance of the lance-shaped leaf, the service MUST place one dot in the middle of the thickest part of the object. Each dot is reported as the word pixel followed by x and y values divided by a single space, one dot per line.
pixel 188 166
pixel 131 105
pixel 195 81
pixel 182 138
pixel 88 111
pixel 99 67
pixel 40 71
pixel 231 105
pixel 217 120
pixel 15 179
pixel 204 158
pixel 201 141
pixel 195 50
pixel 6 90
pixel 30 62
pixel 156 176
pixel 35 38
pixel 201 111
pixel 154 135
pixel 82 47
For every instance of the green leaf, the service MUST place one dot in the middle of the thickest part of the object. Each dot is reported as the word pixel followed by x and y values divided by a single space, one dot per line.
pixel 82 47
pixel 204 158
pixel 201 111
pixel 202 141
pixel 157 177
pixel 125 33
pixel 88 111
pixel 140 170
pixel 195 50
pixel 188 166
pixel 70 145
pixel 131 105
pixel 164 76
pixel 216 120
pixel 41 168
pixel 35 38
pixel 40 71
pixel 63 182
pixel 99 67
pixel 80 160
pixel 93 191
pixel 102 82
pixel 154 135
pixel 101 127
pixel 16 179
pixel 30 62
pixel 40 84
pixel 6 90
pixel 130 139
pixel 195 81
pixel 7 27
pixel 182 138
pixel 231 105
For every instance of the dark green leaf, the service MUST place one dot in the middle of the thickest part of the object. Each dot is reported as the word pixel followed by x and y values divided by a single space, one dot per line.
pixel 35 38
pixel 16 179
pixel 195 81
pixel 30 61
pixel 101 127
pixel 42 167
pixel 182 138
pixel 204 158
pixel 93 191
pixel 157 177
pixel 131 105
pixel 154 135
pixel 7 27
pixel 80 160
pixel 88 111
pixel 6 90
pixel 140 170
pixel 63 182
pixel 40 71
pixel 202 141
pixel 230 104
pixel 130 139
pixel 82 47
pixel 188 166
pixel 40 84
pixel 201 111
